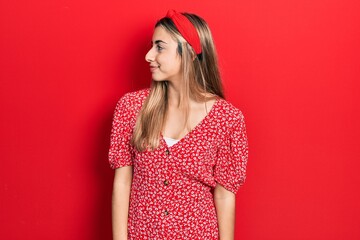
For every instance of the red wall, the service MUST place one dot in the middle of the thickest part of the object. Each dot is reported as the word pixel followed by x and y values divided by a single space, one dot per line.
pixel 292 67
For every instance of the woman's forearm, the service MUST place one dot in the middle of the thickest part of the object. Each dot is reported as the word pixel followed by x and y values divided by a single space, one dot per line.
pixel 225 209
pixel 120 206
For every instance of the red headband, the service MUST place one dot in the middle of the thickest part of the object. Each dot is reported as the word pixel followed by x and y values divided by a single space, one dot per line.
pixel 186 29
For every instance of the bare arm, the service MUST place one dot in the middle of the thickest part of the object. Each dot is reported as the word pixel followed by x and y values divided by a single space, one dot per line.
pixel 120 202
pixel 225 210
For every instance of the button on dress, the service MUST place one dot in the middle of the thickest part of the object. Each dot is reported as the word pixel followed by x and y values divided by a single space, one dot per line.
pixel 171 193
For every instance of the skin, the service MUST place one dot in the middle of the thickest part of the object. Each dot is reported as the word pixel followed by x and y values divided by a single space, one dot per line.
pixel 165 65
pixel 166 61
pixel 120 202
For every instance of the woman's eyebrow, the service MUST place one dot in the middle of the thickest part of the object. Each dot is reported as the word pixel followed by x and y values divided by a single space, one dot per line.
pixel 159 41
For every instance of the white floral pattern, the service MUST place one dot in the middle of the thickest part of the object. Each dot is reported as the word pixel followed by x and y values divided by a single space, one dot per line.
pixel 172 189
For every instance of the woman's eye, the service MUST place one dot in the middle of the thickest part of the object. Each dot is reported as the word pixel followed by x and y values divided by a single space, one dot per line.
pixel 159 47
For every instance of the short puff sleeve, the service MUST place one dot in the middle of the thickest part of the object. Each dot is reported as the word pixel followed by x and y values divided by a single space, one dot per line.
pixel 120 151
pixel 232 156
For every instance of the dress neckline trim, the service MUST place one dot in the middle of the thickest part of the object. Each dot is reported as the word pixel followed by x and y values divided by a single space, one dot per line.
pixel 201 123
pixel 171 138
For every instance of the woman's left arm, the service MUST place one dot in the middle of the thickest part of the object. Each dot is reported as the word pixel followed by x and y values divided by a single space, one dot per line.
pixel 225 209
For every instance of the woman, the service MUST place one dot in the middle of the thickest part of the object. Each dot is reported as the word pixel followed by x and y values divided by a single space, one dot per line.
pixel 179 148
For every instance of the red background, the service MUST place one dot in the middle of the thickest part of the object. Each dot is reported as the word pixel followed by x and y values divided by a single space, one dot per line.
pixel 292 67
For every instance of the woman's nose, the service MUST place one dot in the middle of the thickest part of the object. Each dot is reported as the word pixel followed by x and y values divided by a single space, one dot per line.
pixel 149 57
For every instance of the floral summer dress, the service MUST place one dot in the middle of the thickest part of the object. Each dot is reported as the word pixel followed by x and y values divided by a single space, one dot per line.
pixel 171 192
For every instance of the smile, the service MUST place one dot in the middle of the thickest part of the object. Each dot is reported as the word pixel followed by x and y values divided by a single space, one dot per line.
pixel 152 69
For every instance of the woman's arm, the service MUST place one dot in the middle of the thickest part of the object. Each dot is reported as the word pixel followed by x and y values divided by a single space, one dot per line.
pixel 225 210
pixel 120 202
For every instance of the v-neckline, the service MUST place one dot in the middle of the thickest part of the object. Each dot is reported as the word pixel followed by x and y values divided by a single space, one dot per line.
pixel 194 129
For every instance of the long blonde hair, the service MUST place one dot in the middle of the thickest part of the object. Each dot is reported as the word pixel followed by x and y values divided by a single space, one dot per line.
pixel 200 76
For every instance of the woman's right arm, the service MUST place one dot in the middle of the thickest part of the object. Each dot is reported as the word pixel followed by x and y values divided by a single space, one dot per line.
pixel 120 202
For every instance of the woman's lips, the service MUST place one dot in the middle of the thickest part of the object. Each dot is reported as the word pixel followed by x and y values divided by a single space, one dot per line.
pixel 152 68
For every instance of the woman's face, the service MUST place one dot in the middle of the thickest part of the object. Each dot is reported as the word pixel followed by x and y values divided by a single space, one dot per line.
pixel 165 62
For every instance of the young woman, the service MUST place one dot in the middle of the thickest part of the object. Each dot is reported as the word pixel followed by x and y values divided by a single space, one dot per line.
pixel 179 148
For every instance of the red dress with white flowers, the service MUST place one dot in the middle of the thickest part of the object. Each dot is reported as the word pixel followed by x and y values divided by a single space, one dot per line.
pixel 171 192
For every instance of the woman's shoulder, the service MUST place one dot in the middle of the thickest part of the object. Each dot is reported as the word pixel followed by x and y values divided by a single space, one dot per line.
pixel 134 98
pixel 138 95
pixel 230 112
pixel 131 102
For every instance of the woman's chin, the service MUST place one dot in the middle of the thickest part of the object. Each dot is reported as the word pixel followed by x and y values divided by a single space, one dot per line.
pixel 158 79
